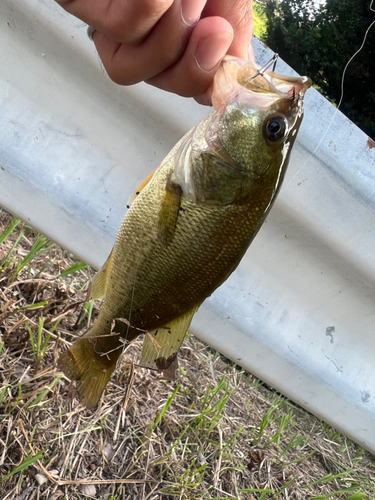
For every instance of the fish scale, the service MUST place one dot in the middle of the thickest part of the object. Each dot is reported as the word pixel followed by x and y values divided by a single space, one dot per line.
pixel 190 223
pixel 189 274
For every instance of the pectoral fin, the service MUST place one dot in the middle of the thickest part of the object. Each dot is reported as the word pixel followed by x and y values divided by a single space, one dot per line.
pixel 168 213
pixel 99 283
pixel 160 346
pixel 142 185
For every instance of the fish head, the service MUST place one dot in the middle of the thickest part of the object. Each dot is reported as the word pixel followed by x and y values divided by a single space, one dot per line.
pixel 246 142
pixel 257 115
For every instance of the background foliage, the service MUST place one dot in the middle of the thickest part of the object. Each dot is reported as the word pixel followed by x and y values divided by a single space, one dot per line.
pixel 318 39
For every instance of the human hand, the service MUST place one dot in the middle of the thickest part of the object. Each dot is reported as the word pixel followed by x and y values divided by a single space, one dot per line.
pixel 176 45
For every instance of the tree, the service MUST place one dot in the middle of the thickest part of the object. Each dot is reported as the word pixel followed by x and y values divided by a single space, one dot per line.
pixel 319 39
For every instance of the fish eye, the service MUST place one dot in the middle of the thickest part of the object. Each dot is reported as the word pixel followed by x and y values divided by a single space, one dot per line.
pixel 275 128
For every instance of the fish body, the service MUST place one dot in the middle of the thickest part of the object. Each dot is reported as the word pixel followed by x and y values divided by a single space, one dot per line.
pixel 191 223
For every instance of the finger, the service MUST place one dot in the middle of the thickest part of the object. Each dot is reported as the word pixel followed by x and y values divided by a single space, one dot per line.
pixel 123 21
pixel 240 15
pixel 193 73
pixel 165 44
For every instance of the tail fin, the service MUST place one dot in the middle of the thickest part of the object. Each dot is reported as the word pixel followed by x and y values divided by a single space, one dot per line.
pixel 91 370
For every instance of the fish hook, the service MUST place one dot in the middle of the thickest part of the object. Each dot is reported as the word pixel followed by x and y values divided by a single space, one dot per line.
pixel 272 62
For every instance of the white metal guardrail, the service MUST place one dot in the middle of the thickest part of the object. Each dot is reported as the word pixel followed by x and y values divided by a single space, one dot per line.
pixel 300 311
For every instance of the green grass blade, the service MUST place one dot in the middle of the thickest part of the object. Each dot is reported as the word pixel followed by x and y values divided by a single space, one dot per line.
pixel 43 394
pixel 3 390
pixel 43 347
pixel 39 247
pixel 46 266
pixel 23 465
pixel 32 342
pixel 77 266
pixel 329 477
pixel 335 494
pixel 301 459
pixel 55 326
pixel 33 306
pixel 12 224
pixel 7 260
pixel 284 421
pixel 232 439
pixel 39 335
pixel 38 346
pixel 266 420
pixel 297 440
pixel 85 315
pixel 19 394
pixel 165 408
pixel 286 486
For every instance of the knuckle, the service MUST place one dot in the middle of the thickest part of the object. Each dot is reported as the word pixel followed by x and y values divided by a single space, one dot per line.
pixel 130 23
pixel 116 28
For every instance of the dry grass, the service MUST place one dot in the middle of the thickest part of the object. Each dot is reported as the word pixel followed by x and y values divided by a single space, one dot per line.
pixel 216 433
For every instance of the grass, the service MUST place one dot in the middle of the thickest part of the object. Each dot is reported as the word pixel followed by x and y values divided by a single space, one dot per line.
pixel 215 433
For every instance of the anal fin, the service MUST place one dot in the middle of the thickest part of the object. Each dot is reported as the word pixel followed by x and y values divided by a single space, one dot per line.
pixel 142 185
pixel 160 346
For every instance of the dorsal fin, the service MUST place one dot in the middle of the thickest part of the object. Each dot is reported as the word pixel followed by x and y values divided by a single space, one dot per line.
pixel 99 283
pixel 141 186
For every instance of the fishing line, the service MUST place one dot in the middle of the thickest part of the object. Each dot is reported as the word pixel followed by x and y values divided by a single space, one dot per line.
pixel 372 9
pixel 132 301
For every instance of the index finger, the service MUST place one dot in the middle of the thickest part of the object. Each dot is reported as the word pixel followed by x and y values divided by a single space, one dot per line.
pixel 123 21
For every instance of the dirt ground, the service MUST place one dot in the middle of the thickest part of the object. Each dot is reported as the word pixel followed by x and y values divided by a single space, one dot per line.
pixel 215 433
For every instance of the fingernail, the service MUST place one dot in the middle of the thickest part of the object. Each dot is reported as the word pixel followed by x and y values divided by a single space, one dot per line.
pixel 212 49
pixel 203 100
pixel 191 11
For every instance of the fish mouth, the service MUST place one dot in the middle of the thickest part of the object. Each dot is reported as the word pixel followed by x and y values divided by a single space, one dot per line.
pixel 235 73
pixel 262 79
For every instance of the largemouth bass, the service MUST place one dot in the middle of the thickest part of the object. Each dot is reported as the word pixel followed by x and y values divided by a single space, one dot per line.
pixel 190 223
